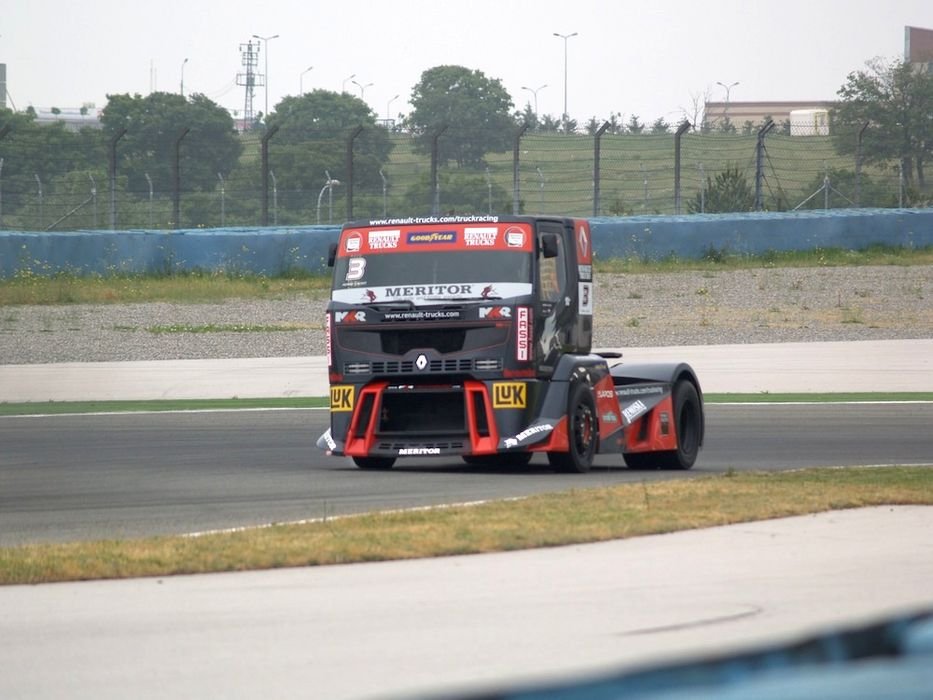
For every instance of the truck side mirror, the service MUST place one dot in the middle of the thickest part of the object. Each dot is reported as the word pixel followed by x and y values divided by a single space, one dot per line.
pixel 550 245
pixel 331 254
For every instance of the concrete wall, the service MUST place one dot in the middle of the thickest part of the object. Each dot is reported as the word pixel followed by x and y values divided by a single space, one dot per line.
pixel 272 251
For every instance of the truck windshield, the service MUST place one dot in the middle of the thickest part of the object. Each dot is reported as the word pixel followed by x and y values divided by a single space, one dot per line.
pixel 432 277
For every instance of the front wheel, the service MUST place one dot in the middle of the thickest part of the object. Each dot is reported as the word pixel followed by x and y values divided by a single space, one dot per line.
pixel 374 462
pixel 583 432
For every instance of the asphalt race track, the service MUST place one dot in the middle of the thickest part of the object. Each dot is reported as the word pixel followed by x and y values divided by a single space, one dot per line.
pixel 104 476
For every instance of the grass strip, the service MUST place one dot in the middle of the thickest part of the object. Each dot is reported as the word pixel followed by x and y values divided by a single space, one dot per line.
pixel 573 517
pixel 231 328
pixel 35 408
pixel 841 397
pixel 66 407
pixel 26 287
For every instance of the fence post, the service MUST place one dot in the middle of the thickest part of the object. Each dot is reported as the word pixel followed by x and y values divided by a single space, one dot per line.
pixel 596 143
pixel 3 132
pixel 353 135
pixel 759 163
pixel 223 197
pixel 435 190
pixel 265 173
pixel 858 165
pixel 113 177
pixel 176 207
pixel 681 130
pixel 516 179
pixel 39 188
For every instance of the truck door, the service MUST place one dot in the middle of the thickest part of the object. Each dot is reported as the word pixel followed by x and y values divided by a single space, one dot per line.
pixel 554 303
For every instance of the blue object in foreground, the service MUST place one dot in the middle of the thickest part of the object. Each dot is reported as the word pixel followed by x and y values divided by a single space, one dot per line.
pixel 892 659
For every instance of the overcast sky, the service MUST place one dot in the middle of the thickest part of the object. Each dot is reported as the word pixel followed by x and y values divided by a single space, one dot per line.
pixel 644 58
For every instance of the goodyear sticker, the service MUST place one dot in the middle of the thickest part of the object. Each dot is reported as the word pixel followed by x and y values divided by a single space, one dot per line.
pixel 509 395
pixel 341 397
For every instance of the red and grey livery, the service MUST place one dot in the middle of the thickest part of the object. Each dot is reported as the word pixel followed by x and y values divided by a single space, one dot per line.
pixel 471 337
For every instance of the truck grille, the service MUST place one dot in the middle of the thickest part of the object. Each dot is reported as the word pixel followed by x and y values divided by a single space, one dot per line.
pixel 447 445
pixel 483 364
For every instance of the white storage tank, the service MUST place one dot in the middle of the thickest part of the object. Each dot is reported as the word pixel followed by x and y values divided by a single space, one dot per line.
pixel 809 122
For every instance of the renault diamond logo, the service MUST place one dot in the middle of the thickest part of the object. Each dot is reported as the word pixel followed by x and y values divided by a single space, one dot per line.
pixel 421 362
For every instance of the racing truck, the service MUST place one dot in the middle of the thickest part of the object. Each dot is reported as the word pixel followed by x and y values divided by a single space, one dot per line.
pixel 470 336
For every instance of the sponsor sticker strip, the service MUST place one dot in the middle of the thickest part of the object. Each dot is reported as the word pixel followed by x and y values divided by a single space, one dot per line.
pixel 489 235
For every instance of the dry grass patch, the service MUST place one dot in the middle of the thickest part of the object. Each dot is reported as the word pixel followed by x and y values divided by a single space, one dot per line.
pixel 578 516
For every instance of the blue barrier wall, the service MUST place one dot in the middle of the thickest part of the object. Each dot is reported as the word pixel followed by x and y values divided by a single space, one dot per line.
pixel 693 236
pixel 271 251
pixel 268 251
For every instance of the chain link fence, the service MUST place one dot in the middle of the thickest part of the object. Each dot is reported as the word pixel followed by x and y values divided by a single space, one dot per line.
pixel 87 183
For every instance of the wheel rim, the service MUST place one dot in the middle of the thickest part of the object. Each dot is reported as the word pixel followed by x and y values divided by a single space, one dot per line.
pixel 583 430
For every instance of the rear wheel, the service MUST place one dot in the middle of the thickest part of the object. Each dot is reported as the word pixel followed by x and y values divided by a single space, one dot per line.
pixel 688 422
pixel 374 462
pixel 583 432
pixel 505 459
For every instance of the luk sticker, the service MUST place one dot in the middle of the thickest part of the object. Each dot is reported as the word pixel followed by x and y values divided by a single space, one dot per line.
pixel 342 397
pixel 509 395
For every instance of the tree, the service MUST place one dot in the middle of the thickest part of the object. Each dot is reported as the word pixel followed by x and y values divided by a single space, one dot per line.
pixel 313 132
pixel 527 116
pixel 62 160
pixel 461 192
pixel 154 124
pixel 660 126
pixel 549 123
pixel 728 192
pixel 634 125
pixel 475 109
pixel 896 102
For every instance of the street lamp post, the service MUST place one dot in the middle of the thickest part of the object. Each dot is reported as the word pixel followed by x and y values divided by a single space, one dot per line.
pixel 266 40
pixel 565 37
pixel 301 86
pixel 389 109
pixel 534 91
pixel 343 88
pixel 183 77
pixel 727 88
pixel 362 87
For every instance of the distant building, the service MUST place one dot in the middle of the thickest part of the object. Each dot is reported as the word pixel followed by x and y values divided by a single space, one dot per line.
pixel 74 118
pixel 756 112
pixel 918 48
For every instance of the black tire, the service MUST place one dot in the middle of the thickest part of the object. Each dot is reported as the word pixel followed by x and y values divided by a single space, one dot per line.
pixel 583 433
pixel 688 421
pixel 505 459
pixel 374 462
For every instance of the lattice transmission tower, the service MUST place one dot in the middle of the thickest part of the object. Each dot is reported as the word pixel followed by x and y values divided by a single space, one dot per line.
pixel 250 79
